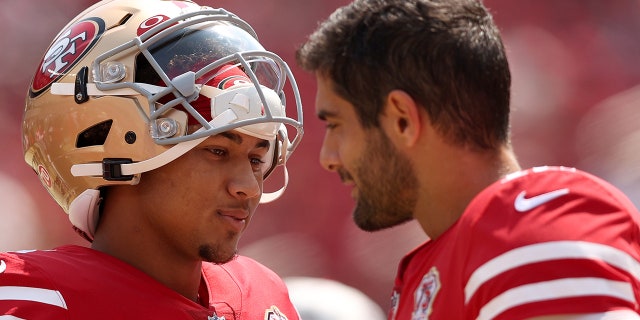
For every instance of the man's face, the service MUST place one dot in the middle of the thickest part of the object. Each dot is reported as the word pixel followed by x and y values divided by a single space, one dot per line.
pixel 383 180
pixel 199 204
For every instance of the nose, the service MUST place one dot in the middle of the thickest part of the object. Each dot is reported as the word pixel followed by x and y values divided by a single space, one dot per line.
pixel 245 183
pixel 329 158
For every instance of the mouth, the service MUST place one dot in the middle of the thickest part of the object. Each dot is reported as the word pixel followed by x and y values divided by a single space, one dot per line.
pixel 345 177
pixel 348 181
pixel 353 186
pixel 354 193
pixel 236 219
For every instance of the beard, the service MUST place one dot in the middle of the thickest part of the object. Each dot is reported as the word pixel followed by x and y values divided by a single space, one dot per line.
pixel 217 253
pixel 387 186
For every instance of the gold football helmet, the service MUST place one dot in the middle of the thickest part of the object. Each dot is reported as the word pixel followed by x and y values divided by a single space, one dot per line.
pixel 121 86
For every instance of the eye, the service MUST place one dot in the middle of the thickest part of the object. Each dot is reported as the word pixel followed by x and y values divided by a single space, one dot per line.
pixel 330 125
pixel 257 163
pixel 218 151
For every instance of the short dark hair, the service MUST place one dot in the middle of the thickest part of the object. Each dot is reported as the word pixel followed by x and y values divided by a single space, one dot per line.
pixel 447 54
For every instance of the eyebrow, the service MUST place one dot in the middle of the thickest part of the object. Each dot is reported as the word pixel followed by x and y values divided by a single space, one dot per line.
pixel 324 114
pixel 238 139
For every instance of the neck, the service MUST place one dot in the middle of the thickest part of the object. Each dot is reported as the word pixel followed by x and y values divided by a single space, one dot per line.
pixel 462 174
pixel 122 236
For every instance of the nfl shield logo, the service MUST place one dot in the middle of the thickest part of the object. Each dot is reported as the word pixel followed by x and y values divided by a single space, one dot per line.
pixel 425 294
pixel 274 314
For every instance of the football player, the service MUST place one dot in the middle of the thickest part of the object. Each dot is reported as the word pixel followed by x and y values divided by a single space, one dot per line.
pixel 415 96
pixel 153 124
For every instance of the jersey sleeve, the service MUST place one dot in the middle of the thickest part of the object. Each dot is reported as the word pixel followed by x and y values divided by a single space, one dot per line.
pixel 26 292
pixel 576 252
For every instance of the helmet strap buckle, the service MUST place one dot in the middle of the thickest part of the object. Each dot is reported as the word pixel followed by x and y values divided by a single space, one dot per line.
pixel 111 170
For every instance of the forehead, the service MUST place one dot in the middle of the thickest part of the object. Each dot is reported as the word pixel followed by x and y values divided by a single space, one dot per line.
pixel 328 103
pixel 240 138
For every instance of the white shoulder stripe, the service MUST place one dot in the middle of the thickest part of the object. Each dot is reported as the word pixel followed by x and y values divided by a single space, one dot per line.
pixel 52 297
pixel 548 251
pixel 555 289
pixel 609 315
pixel 9 317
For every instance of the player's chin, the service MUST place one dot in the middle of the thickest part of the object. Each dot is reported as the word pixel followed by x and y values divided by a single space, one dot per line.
pixel 217 254
pixel 370 219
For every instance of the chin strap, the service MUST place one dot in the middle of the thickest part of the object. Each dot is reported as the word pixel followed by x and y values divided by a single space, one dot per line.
pixel 96 169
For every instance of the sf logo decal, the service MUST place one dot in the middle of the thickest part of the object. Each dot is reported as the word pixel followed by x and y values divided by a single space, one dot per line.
pixel 65 51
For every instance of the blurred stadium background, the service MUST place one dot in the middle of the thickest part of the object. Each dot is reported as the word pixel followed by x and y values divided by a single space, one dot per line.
pixel 576 97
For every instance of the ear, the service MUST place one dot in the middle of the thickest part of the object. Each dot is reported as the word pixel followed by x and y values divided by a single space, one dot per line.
pixel 402 118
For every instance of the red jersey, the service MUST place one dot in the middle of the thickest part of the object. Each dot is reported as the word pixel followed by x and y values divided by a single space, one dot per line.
pixel 73 282
pixel 540 242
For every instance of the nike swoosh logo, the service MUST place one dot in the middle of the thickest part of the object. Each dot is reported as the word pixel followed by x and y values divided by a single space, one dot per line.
pixel 3 266
pixel 523 204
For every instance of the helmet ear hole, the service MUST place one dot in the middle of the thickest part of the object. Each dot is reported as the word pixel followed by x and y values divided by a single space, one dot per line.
pixel 95 135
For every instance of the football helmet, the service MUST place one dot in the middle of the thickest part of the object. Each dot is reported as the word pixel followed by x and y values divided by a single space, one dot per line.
pixel 130 85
